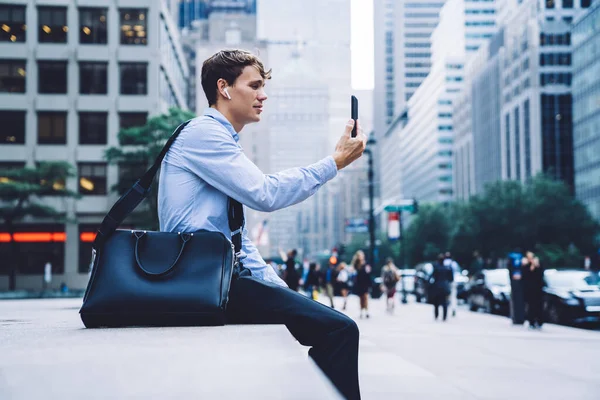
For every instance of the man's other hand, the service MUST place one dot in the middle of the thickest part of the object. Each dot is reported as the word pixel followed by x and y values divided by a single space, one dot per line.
pixel 349 148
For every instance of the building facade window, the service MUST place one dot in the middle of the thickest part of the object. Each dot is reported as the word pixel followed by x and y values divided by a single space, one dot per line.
pixel 586 3
pixel 567 3
pixel 93 127
pixel 52 77
pixel 549 3
pixel 52 24
pixel 12 76
pixel 52 127
pixel 12 23
pixel 93 78
pixel 517 144
pixel 131 119
pixel 13 127
pixel 92 26
pixel 133 26
pixel 527 137
pixel 507 125
pixel 134 78
pixel 130 172
pixel 92 178
pixel 38 244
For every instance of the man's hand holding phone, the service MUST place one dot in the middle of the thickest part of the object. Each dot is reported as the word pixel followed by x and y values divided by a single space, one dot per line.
pixel 349 148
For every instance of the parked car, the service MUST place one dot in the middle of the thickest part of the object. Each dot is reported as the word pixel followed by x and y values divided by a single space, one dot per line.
pixel 422 275
pixel 462 285
pixel 490 290
pixel 408 279
pixel 571 296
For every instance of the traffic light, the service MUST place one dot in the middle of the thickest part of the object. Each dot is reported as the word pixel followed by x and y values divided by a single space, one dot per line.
pixel 415 206
pixel 333 260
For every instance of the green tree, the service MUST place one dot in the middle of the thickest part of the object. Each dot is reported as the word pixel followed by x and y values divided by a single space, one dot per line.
pixel 428 233
pixel 138 148
pixel 22 194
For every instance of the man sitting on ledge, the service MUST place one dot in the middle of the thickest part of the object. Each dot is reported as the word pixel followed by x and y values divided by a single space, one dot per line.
pixel 206 165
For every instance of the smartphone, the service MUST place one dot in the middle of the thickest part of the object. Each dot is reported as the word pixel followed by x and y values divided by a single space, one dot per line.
pixel 354 112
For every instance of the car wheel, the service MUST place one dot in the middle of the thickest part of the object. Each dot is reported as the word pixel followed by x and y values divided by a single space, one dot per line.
pixel 554 314
pixel 418 298
pixel 472 305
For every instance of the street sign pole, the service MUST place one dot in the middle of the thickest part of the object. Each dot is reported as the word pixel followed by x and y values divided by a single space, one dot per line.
pixel 402 261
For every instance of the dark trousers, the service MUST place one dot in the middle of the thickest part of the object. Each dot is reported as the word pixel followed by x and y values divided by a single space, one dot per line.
pixel 440 299
pixel 535 309
pixel 333 337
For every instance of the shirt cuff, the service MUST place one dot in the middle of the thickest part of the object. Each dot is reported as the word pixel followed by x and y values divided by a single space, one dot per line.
pixel 327 169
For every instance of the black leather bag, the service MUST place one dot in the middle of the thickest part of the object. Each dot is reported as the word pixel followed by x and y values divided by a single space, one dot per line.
pixel 160 278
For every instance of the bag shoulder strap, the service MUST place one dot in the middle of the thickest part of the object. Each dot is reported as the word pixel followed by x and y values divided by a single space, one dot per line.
pixel 139 191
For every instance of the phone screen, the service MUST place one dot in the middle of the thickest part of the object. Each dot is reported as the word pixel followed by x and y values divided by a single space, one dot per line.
pixel 354 113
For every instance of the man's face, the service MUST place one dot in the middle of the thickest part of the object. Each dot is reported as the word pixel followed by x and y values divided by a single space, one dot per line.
pixel 247 96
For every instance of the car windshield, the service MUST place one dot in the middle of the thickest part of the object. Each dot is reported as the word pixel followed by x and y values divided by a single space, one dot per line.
pixel 497 277
pixel 571 279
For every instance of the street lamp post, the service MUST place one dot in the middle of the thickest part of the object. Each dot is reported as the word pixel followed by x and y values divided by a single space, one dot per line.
pixel 369 152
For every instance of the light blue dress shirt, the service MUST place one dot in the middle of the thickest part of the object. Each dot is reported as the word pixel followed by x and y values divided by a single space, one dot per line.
pixel 206 164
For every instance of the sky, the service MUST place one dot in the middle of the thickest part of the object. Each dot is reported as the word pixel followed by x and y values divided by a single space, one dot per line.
pixel 361 44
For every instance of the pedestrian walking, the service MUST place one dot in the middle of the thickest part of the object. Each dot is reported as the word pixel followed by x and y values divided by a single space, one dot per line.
pixel 290 275
pixel 456 271
pixel 312 282
pixel 363 281
pixel 533 283
pixel 439 287
pixel 330 275
pixel 205 167
pixel 342 279
pixel 390 275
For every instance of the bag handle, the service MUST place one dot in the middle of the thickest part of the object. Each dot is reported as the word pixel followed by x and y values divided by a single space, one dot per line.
pixel 139 191
pixel 185 237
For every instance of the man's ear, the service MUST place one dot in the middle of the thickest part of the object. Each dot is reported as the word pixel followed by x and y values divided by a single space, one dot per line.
pixel 221 85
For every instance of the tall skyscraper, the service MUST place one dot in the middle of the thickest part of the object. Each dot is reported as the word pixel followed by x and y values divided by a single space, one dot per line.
pixel 423 133
pixel 72 76
pixel 402 62
pixel 299 27
pixel 586 108
pixel 537 122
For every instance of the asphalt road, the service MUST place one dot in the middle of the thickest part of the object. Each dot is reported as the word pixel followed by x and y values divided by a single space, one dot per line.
pixel 46 353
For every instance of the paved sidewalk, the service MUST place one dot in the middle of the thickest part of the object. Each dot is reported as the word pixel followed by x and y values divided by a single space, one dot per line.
pixel 408 355
pixel 46 353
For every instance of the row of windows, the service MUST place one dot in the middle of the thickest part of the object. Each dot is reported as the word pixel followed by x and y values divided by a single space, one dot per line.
pixel 417 35
pixel 559 39
pixel 555 79
pixel 480 23
pixel 421 15
pixel 474 12
pixel 424 5
pixel 568 3
pixel 479 35
pixel 417 55
pixel 421 25
pixel 454 79
pixel 52 126
pixel 555 59
pixel 416 75
pixel 418 65
pixel 91 176
pixel 53 26
pixel 417 45
pixel 93 77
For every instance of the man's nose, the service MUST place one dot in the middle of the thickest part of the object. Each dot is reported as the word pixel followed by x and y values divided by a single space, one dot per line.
pixel 262 95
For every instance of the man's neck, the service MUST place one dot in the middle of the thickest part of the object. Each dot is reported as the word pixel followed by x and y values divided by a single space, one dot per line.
pixel 236 126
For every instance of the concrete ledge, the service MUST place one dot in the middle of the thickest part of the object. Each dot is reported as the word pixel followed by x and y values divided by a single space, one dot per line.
pixel 46 353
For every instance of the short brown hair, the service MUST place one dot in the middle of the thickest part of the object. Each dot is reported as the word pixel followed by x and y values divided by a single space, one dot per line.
pixel 228 64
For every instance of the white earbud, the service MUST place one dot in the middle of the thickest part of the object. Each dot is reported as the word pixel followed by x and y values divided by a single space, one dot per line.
pixel 227 93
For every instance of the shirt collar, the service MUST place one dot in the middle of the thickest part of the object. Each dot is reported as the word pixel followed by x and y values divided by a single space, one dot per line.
pixel 213 113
